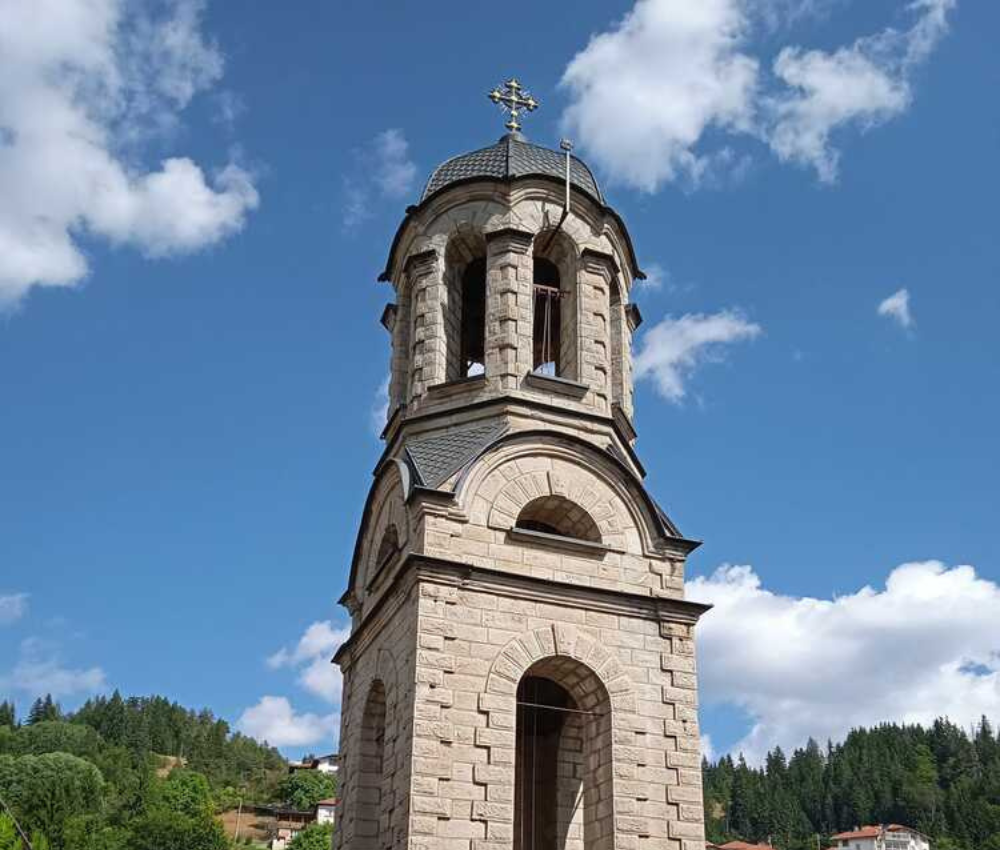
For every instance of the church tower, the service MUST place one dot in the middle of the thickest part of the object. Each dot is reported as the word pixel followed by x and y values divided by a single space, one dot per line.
pixel 520 673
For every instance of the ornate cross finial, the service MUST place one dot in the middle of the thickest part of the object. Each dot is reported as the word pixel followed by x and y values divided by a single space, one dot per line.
pixel 512 100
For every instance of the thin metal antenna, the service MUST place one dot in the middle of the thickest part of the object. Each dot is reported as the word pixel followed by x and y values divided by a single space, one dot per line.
pixel 17 826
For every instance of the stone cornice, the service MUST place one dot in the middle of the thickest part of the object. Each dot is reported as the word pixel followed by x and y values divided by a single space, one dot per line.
pixel 599 261
pixel 416 568
pixel 514 238
pixel 421 263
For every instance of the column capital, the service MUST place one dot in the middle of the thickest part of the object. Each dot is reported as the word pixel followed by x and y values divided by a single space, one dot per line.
pixel 422 263
pixel 510 239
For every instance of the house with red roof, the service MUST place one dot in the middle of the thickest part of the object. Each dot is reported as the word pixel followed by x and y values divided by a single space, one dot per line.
pixel 883 837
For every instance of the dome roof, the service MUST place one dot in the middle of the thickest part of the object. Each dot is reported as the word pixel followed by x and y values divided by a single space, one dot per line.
pixel 512 156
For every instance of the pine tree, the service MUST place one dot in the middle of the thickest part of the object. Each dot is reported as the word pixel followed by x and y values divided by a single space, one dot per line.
pixel 8 716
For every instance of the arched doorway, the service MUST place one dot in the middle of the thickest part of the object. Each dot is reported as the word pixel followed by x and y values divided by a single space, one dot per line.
pixel 563 775
pixel 368 821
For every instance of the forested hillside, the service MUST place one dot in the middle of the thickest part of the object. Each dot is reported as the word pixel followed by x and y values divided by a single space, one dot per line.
pixel 943 780
pixel 128 774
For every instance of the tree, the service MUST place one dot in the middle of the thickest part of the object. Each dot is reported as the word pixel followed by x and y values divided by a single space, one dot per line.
pixel 316 836
pixel 184 792
pixel 57 736
pixel 303 789
pixel 92 832
pixel 163 830
pixel 8 717
pixel 43 791
pixel 43 709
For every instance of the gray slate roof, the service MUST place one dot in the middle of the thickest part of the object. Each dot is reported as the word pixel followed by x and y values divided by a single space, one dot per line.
pixel 436 458
pixel 511 157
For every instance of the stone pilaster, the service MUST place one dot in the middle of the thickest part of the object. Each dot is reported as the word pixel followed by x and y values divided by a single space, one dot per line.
pixel 425 282
pixel 508 307
pixel 597 272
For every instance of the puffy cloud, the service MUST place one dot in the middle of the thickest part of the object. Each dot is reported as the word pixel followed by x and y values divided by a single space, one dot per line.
pixel 380 407
pixel 382 169
pixel 83 84
pixel 923 646
pixel 646 94
pixel 897 308
pixel 394 170
pixel 671 350
pixel 274 720
pixel 13 606
pixel 311 657
pixel 40 670
pixel 864 84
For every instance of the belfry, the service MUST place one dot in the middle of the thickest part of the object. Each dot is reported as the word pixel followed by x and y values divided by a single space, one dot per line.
pixel 521 672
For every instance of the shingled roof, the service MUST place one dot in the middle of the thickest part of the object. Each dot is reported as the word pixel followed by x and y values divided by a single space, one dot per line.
pixel 436 458
pixel 512 156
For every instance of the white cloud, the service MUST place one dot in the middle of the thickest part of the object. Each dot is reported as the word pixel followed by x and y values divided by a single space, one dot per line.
pixel 13 606
pixel 897 308
pixel 864 84
pixel 646 94
pixel 671 350
pixel 380 407
pixel 707 748
pixel 311 656
pixel 656 277
pixel 83 84
pixel 394 171
pixel 274 720
pixel 924 646
pixel 383 168
pixel 40 670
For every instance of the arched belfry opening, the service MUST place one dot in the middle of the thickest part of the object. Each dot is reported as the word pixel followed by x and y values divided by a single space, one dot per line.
pixel 563 761
pixel 560 516
pixel 465 307
pixel 370 824
pixel 554 306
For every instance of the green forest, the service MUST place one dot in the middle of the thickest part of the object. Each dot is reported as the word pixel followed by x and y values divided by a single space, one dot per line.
pixel 144 773
pixel 942 780
pixel 141 773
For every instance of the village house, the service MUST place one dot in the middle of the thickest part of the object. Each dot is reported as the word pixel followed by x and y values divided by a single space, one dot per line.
pixel 891 837
pixel 326 810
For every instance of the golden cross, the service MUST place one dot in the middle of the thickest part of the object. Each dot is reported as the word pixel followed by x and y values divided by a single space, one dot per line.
pixel 512 100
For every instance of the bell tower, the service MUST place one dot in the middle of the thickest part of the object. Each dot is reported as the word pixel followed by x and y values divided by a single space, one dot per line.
pixel 521 670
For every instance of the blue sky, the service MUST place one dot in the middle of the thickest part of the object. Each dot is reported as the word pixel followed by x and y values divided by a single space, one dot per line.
pixel 190 354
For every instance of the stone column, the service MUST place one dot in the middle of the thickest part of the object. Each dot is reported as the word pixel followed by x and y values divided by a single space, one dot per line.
pixel 425 284
pixel 594 285
pixel 509 296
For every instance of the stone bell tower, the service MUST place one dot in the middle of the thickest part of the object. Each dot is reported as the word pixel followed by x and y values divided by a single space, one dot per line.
pixel 521 670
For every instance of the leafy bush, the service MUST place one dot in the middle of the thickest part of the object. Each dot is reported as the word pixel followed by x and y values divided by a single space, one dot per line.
pixel 314 837
pixel 303 789
pixel 45 790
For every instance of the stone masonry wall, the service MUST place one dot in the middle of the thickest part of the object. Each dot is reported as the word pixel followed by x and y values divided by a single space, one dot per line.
pixel 385 654
pixel 473 649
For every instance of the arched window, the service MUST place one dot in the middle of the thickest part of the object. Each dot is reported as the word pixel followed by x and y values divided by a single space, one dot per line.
pixel 387 548
pixel 369 823
pixel 465 304
pixel 562 758
pixel 547 327
pixel 558 515
pixel 473 324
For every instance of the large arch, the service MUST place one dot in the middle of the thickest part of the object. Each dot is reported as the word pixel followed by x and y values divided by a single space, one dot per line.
pixel 524 465
pixel 599 686
pixel 370 770
pixel 367 799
